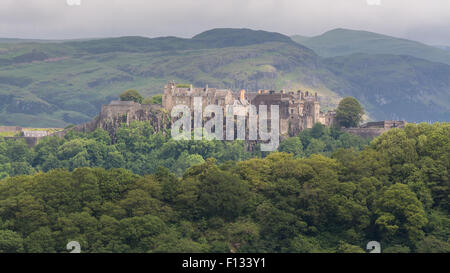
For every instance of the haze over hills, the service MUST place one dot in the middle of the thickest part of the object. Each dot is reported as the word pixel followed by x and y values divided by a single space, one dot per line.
pixel 57 83
pixel 443 47
pixel 395 86
pixel 300 38
pixel 339 42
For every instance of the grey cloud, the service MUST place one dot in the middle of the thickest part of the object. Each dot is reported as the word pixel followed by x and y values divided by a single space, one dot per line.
pixel 424 20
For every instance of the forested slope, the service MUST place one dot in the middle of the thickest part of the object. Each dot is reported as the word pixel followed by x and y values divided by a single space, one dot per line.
pixel 394 191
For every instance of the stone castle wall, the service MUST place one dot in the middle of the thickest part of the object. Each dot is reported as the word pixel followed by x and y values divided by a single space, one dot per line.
pixel 298 111
pixel 374 129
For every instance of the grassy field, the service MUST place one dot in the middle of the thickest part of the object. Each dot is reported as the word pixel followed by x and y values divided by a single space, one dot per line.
pixel 8 134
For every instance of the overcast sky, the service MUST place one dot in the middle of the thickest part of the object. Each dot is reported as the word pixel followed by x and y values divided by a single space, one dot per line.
pixel 423 20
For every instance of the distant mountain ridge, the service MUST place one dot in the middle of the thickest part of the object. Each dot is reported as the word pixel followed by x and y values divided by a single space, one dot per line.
pixel 58 83
pixel 340 42
pixel 395 86
pixel 444 47
pixel 215 38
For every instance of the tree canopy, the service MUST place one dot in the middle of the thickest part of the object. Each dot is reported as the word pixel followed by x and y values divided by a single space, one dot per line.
pixel 117 196
pixel 131 95
pixel 349 112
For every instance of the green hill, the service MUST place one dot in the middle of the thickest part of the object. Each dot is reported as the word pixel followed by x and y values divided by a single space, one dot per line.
pixel 215 38
pixel 57 83
pixel 227 37
pixel 299 38
pixel 340 42
pixel 444 47
pixel 395 87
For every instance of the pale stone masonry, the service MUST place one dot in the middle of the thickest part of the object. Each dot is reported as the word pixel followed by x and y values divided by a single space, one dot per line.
pixel 298 110
pixel 35 133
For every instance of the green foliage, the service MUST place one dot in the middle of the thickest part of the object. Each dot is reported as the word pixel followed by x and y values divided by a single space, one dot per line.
pixel 123 194
pixel 431 244
pixel 397 249
pixel 321 140
pixel 131 95
pixel 349 112
pixel 292 145
pixel 156 99
pixel 10 242
pixel 398 211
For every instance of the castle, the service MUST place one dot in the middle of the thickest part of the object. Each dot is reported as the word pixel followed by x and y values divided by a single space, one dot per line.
pixel 298 110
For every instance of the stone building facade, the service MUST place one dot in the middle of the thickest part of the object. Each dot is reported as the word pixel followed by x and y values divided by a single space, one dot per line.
pixel 376 128
pixel 298 110
pixel 174 95
pixel 30 133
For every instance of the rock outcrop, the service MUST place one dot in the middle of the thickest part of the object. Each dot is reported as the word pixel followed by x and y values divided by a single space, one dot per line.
pixel 113 115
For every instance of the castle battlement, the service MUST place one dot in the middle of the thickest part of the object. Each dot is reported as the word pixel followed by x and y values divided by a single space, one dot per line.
pixel 298 110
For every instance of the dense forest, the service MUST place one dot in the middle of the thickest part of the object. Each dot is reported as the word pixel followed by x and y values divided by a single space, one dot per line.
pixel 138 148
pixel 323 191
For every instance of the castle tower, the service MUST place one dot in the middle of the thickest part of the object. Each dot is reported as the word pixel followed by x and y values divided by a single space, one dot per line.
pixel 316 111
pixel 167 98
pixel 316 108
pixel 242 95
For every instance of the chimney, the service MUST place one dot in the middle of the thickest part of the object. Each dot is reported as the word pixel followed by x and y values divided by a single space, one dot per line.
pixel 272 92
pixel 242 96
pixel 315 95
pixel 191 88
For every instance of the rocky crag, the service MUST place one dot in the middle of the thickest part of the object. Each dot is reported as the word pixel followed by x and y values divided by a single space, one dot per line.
pixel 113 115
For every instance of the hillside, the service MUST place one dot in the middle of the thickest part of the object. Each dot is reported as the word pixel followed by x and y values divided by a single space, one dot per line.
pixel 59 83
pixel 444 47
pixel 300 38
pixel 340 42
pixel 395 87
